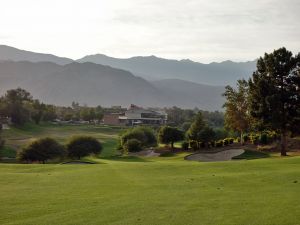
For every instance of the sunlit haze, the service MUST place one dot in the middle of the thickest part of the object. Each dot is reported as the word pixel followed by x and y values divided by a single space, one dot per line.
pixel 200 30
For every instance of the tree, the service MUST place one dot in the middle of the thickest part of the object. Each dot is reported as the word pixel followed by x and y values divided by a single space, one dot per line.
pixel 99 113
pixel 37 111
pixel 49 113
pixel 207 135
pixel 80 146
pixel 16 109
pixel 275 92
pixel 169 135
pixel 194 133
pixel 133 145
pixel 2 142
pixel 143 134
pixel 237 116
pixel 42 150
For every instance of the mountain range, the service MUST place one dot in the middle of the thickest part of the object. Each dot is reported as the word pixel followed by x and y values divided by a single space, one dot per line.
pixel 102 80
pixel 154 68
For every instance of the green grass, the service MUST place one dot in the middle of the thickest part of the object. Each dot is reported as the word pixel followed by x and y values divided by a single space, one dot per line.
pixel 248 154
pixel 7 151
pixel 131 190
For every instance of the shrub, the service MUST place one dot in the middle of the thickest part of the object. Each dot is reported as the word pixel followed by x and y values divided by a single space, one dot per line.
pixel 263 139
pixel 231 140
pixel 254 138
pixel 144 134
pixel 226 142
pixel 2 142
pixel 213 144
pixel 80 146
pixel 245 138
pixel 41 150
pixel 219 144
pixel 194 145
pixel 185 145
pixel 133 145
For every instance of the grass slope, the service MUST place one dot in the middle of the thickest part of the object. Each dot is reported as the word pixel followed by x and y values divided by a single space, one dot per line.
pixel 152 191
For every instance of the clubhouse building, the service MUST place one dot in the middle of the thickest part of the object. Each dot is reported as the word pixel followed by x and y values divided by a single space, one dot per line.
pixel 136 116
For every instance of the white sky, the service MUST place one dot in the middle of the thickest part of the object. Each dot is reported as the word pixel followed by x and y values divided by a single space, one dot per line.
pixel 201 30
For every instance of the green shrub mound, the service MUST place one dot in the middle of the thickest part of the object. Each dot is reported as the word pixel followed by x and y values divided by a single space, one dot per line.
pixel 80 146
pixel 42 150
pixel 133 145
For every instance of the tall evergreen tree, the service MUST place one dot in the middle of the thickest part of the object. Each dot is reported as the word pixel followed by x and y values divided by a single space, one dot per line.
pixel 275 92
pixel 194 133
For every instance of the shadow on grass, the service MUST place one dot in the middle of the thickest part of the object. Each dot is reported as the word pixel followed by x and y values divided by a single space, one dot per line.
pixel 125 158
pixel 249 154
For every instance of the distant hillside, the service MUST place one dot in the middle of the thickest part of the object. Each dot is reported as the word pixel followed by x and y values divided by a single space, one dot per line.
pixel 95 84
pixel 14 54
pixel 154 68
pixel 189 93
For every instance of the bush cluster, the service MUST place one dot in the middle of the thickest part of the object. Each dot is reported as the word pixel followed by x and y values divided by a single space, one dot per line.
pixel 144 135
pixel 265 137
pixel 45 149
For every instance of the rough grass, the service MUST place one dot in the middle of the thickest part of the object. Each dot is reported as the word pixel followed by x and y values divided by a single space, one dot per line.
pixel 152 191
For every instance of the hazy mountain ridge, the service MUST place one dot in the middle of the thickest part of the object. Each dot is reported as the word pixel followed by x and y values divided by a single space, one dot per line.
pixel 96 84
pixel 150 67
pixel 154 68
pixel 14 54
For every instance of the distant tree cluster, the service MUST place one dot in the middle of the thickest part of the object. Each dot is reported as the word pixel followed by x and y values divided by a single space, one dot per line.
pixel 183 117
pixel 20 107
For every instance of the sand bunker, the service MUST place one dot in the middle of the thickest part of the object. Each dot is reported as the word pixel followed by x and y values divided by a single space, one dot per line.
pixel 78 162
pixel 145 153
pixel 218 156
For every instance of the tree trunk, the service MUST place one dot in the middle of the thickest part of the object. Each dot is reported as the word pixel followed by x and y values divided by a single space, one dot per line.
pixel 283 143
pixel 172 145
pixel 242 138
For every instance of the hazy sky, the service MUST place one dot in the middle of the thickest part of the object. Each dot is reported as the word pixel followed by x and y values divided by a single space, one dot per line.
pixel 202 30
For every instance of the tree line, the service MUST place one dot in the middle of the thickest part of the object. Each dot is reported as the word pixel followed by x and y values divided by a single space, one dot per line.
pixel 19 105
pixel 199 135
